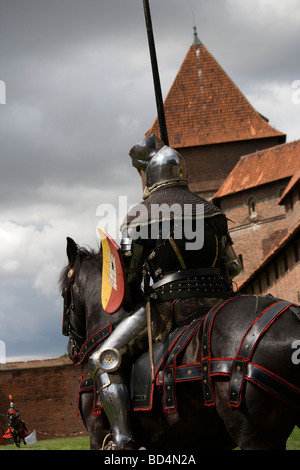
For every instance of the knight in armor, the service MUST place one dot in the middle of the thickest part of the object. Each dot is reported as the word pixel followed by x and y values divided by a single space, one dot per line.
pixel 182 242
pixel 12 410
pixel 14 414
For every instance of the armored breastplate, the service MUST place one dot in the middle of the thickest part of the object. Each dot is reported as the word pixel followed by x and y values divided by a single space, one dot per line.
pixel 166 255
pixel 179 273
pixel 171 254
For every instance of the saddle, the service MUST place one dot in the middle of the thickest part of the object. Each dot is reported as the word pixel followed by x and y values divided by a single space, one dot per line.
pixel 169 372
pixel 141 389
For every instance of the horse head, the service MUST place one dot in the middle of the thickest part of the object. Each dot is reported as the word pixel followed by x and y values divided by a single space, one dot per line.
pixel 80 285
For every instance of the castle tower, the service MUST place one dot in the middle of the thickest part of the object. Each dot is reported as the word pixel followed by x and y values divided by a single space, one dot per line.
pixel 210 122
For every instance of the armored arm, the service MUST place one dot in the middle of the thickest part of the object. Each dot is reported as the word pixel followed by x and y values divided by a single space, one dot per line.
pixel 230 260
pixel 133 256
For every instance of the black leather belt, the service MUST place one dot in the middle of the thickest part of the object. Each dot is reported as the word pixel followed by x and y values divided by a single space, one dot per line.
pixel 185 274
pixel 203 283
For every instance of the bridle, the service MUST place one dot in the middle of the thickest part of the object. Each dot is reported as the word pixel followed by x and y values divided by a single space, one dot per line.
pixel 79 343
pixel 68 329
pixel 67 295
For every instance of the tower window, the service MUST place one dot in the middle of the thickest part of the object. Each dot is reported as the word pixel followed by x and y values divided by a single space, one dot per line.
pixel 296 252
pixel 276 271
pixel 252 207
pixel 285 262
pixel 240 257
pixel 267 278
pixel 259 286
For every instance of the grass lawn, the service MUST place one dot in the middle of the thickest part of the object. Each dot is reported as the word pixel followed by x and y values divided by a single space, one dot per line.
pixel 83 443
pixel 66 443
pixel 294 440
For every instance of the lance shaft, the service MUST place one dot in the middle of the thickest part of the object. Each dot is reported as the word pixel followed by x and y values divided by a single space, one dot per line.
pixel 157 87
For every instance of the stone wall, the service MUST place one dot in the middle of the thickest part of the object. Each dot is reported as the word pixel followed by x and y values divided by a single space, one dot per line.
pixel 45 392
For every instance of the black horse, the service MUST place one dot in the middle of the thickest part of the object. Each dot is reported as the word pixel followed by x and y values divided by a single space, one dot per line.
pixel 233 383
pixel 16 430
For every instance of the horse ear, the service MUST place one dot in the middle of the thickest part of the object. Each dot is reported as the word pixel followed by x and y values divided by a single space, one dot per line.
pixel 71 251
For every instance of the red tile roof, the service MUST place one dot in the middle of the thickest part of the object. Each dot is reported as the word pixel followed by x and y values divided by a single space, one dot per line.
pixel 262 167
pixel 293 182
pixel 204 106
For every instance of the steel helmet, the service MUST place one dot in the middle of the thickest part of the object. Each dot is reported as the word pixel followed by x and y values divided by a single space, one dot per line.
pixel 142 152
pixel 166 166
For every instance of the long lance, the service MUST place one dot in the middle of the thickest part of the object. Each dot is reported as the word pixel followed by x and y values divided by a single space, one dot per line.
pixel 164 138
pixel 155 73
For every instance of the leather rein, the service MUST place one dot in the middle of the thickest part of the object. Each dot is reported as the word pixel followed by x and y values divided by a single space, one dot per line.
pixel 69 306
pixel 80 344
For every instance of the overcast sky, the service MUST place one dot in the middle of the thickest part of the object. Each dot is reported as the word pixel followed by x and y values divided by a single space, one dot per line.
pixel 79 95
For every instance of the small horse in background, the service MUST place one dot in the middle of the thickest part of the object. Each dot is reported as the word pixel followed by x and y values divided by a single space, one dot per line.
pixel 16 430
pixel 246 389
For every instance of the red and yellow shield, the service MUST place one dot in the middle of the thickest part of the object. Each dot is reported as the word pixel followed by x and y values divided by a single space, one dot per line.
pixel 113 274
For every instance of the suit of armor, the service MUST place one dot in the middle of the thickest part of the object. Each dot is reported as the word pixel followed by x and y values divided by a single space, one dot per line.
pixel 182 241
pixel 12 410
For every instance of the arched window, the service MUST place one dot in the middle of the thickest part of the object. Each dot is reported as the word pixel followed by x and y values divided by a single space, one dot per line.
pixel 252 207
pixel 240 257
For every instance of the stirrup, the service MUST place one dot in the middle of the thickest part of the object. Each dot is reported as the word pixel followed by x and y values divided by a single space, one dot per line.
pixel 108 444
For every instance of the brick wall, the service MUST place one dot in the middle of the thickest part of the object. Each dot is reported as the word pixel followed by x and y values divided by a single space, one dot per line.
pixel 255 241
pixel 293 212
pixel 280 272
pixel 45 392
pixel 255 234
pixel 209 165
pixel 281 277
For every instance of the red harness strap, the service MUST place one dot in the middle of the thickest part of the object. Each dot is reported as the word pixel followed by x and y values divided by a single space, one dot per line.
pixel 87 384
pixel 91 343
pixel 256 330
pixel 240 367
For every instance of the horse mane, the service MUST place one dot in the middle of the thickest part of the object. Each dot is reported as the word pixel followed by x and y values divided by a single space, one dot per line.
pixel 82 254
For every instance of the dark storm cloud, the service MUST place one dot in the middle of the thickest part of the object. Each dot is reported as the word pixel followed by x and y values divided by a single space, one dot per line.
pixel 258 41
pixel 74 75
